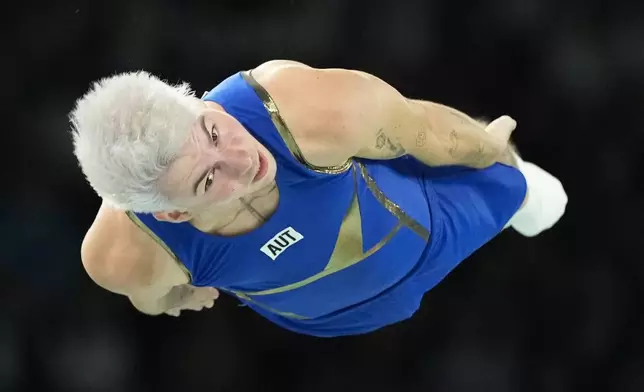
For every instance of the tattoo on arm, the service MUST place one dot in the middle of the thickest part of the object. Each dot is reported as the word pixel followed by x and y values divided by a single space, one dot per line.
pixel 395 148
pixel 453 143
pixel 392 148
pixel 473 156
pixel 381 140
pixel 462 144
pixel 421 138
pixel 477 154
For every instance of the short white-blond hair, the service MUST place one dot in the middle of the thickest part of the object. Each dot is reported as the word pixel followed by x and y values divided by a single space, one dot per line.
pixel 127 129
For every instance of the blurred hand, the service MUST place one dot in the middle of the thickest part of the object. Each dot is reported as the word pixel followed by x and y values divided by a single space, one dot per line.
pixel 493 145
pixel 501 129
pixel 187 297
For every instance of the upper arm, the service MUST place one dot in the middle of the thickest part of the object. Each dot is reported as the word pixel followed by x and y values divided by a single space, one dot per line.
pixel 337 113
pixel 121 258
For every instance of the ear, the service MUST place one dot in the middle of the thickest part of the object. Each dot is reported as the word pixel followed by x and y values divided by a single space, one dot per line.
pixel 172 216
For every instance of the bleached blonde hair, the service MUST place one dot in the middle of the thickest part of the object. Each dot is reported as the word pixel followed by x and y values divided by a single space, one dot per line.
pixel 127 129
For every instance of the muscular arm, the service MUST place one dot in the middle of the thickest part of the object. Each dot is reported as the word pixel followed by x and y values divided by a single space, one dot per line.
pixel 433 133
pixel 457 139
pixel 345 113
pixel 119 257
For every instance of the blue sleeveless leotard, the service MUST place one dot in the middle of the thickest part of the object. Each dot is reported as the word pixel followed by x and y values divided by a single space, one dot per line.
pixel 350 248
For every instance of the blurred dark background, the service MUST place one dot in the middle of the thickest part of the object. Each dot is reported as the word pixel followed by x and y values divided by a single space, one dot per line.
pixel 560 312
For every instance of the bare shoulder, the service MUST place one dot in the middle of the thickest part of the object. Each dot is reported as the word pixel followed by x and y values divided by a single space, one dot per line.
pixel 326 109
pixel 265 69
pixel 117 254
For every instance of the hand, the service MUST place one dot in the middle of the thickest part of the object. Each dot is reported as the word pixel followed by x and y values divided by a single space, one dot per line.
pixel 187 297
pixel 501 129
pixel 479 148
pixel 497 142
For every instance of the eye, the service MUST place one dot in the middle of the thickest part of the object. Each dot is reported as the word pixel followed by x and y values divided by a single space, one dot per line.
pixel 214 135
pixel 209 178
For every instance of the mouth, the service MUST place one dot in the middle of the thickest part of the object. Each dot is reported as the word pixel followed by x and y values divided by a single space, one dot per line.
pixel 262 167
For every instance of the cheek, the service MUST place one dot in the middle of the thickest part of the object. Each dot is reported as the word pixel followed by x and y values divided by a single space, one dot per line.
pixel 240 136
pixel 224 191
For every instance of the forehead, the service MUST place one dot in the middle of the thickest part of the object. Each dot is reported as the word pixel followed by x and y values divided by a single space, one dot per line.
pixel 181 171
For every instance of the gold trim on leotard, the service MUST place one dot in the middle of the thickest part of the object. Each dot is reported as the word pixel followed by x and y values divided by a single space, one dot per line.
pixel 284 131
pixel 348 249
pixel 392 207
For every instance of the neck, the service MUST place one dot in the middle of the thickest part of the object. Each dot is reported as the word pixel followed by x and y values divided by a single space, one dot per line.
pixel 238 215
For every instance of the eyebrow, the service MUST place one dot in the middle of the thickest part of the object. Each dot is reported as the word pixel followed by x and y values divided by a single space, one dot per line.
pixel 204 128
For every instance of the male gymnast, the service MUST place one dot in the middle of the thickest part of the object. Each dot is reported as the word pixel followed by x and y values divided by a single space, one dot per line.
pixel 323 199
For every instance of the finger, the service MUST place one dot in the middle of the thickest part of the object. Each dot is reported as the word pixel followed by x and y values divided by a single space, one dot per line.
pixel 173 312
pixel 210 304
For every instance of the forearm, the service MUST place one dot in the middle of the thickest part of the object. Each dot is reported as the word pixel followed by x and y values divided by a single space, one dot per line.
pixel 446 136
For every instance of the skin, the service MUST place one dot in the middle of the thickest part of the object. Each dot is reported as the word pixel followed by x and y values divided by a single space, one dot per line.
pixel 333 114
pixel 215 171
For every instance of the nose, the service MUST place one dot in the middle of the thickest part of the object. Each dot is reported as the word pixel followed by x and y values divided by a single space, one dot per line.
pixel 235 162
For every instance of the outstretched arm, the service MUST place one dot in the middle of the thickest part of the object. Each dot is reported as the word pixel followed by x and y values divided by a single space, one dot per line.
pixel 460 139
pixel 352 113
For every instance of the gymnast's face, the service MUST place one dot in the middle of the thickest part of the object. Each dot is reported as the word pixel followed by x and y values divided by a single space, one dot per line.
pixel 220 162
